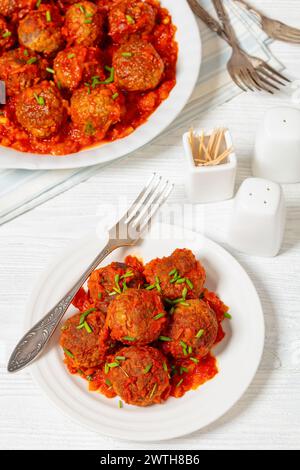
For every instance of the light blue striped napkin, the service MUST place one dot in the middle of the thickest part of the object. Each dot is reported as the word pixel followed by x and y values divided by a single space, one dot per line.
pixel 22 190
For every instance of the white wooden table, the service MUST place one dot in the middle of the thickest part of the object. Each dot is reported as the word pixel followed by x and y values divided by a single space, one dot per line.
pixel 268 415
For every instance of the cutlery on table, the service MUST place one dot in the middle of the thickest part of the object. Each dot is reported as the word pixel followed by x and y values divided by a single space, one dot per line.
pixel 248 72
pixel 126 232
pixel 273 28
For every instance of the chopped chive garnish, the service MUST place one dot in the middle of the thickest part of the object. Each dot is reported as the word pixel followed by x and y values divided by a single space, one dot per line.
pixel 185 304
pixel 153 391
pixel 172 310
pixel 183 344
pixel 89 378
pixel 120 358
pixel 164 338
pixel 59 85
pixel 68 353
pixel 38 3
pixel 111 77
pixel 106 369
pixel 32 60
pixel 227 315
pixel 39 99
pixel 189 283
pixel 108 382
pixel 89 129
pixel 26 52
pixel 50 70
pixel 79 327
pixel 120 404
pixel 100 296
pixel 193 359
pixel 190 349
pixel 124 286
pixel 112 365
pixel 87 21
pixel 129 338
pixel 200 334
pixel 165 367
pixel 85 314
pixel 129 273
pixel 87 327
pixel 81 8
pixel 174 271
pixel 181 280
pixel 184 293
pixel 179 383
pixel 48 16
pixel 157 317
pixel 129 19
pixel 183 369
pixel 71 55
pixel 7 34
pixel 147 369
pixel 151 287
pixel 127 54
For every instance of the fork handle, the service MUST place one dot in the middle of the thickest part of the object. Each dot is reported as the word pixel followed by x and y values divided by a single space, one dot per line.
pixel 35 340
pixel 227 26
pixel 207 19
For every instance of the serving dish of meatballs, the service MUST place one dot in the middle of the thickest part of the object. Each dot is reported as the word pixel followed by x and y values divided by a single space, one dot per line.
pixel 149 350
pixel 81 74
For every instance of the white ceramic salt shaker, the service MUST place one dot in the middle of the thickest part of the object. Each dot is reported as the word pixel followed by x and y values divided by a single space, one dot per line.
pixel 277 146
pixel 258 218
pixel 205 184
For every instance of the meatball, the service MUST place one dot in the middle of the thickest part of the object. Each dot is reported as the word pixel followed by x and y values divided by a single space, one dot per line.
pixel 83 24
pixel 40 110
pixel 40 30
pixel 80 338
pixel 127 17
pixel 138 67
pixel 7 38
pixel 8 7
pixel 179 275
pixel 20 69
pixel 94 110
pixel 105 283
pixel 137 316
pixel 192 329
pixel 142 379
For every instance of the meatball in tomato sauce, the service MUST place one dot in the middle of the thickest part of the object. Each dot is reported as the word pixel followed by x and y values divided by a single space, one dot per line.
pixel 137 316
pixel 20 69
pixel 127 17
pixel 83 24
pixel 94 110
pixel 142 379
pixel 192 330
pixel 179 275
pixel 8 7
pixel 106 283
pixel 137 65
pixel 80 338
pixel 40 110
pixel 40 30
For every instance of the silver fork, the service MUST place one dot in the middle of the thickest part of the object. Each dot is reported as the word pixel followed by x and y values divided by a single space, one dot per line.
pixel 247 71
pixel 273 28
pixel 125 233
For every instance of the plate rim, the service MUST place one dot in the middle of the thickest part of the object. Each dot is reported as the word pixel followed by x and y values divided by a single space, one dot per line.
pixel 13 159
pixel 37 374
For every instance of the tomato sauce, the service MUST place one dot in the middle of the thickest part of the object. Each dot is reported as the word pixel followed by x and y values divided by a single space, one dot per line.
pixel 138 106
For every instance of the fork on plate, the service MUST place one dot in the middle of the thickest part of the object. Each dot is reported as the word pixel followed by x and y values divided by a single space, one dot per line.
pixel 125 233
pixel 273 28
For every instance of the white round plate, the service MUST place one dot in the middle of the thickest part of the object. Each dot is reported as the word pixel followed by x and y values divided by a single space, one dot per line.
pixel 238 355
pixel 189 61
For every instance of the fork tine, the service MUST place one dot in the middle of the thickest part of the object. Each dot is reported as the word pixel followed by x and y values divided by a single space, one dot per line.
pixel 269 76
pixel 265 84
pixel 275 72
pixel 247 80
pixel 168 188
pixel 138 203
pixel 289 33
pixel 148 203
pixel 236 81
pixel 252 80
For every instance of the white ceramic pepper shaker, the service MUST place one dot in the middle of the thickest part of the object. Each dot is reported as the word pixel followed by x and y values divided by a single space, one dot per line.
pixel 277 146
pixel 258 218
